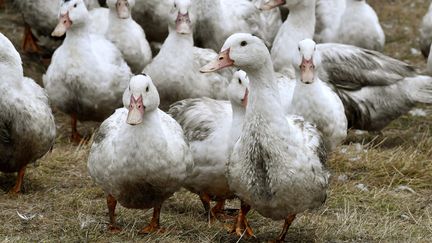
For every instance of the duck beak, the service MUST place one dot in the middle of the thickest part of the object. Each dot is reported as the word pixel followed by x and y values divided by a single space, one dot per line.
pixel 183 23
pixel 222 61
pixel 307 69
pixel 136 111
pixel 122 7
pixel 244 101
pixel 63 25
pixel 270 4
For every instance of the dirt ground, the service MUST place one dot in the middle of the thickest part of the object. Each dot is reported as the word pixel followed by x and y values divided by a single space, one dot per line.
pixel 380 187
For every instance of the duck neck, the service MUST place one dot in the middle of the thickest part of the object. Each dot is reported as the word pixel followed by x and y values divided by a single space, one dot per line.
pixel 177 44
pixel 313 88
pixel 299 25
pixel 151 117
pixel 302 19
pixel 264 98
pixel 77 33
pixel 238 114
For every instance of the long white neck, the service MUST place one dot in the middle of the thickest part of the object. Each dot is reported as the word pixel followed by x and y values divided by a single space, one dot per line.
pixel 264 98
pixel 299 25
pixel 78 32
pixel 177 45
pixel 238 114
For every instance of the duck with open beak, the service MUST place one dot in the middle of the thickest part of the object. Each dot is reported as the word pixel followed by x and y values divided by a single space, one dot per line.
pixel 136 110
pixel 183 22
pixel 270 4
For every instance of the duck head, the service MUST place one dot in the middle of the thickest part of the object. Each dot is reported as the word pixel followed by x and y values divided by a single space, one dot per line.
pixel 72 12
pixel 306 61
pixel 121 7
pixel 238 89
pixel 140 98
pixel 179 17
pixel 242 50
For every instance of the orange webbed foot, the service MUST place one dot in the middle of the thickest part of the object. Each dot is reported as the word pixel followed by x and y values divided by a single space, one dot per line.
pixel 241 226
pixel 114 229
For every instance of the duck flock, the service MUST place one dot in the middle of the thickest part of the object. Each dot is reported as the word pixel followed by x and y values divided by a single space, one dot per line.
pixel 228 99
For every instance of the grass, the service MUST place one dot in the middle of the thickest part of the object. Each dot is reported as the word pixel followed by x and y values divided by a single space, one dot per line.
pixel 66 206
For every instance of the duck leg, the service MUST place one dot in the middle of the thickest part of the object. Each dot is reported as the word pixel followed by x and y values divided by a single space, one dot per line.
pixel 205 200
pixel 20 178
pixel 29 43
pixel 154 225
pixel 218 211
pixel 112 203
pixel 75 137
pixel 241 225
pixel 2 4
pixel 287 224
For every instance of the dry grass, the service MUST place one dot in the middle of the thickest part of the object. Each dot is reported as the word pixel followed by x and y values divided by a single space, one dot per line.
pixel 67 207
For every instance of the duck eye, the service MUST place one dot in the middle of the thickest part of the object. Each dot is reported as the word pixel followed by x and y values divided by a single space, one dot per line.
pixel 299 48
pixel 175 5
pixel 243 43
pixel 147 89
pixel 240 82
pixel 75 5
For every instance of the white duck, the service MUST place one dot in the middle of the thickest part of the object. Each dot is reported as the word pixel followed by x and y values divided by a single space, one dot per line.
pixel 375 89
pixel 211 127
pixel 139 155
pixel 127 35
pixel 27 128
pixel 426 32
pixel 360 26
pixel 276 166
pixel 87 75
pixel 218 19
pixel 40 19
pixel 315 100
pixel 282 50
pixel 175 69
pixel 328 19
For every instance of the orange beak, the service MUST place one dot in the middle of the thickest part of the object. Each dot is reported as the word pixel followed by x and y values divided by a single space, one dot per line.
pixel 136 111
pixel 307 71
pixel 223 61
pixel 63 25
pixel 183 23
